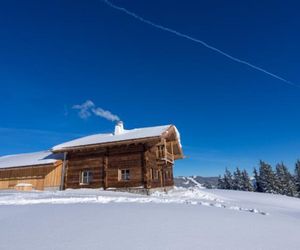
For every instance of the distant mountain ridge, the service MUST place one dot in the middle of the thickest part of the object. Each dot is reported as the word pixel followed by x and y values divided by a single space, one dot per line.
pixel 193 181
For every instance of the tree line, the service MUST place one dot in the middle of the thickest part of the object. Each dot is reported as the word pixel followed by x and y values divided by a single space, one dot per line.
pixel 265 180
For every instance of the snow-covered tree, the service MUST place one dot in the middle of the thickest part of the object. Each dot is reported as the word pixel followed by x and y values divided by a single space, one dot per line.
pixel 257 185
pixel 297 176
pixel 285 181
pixel 221 184
pixel 267 178
pixel 280 176
pixel 237 180
pixel 228 180
pixel 246 182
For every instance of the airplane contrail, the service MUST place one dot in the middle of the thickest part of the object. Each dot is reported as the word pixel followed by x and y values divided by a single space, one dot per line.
pixel 233 58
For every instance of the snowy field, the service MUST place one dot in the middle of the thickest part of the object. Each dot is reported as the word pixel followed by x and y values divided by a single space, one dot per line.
pixel 194 218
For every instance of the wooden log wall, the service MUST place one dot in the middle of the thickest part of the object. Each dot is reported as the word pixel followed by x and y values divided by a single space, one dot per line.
pixel 106 164
pixel 160 171
pixel 130 161
pixel 153 168
pixel 168 175
pixel 78 163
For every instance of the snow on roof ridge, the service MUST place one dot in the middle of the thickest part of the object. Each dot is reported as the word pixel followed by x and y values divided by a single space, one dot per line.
pixel 127 134
pixel 157 126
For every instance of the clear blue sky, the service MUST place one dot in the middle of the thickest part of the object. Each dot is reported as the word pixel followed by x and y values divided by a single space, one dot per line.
pixel 54 54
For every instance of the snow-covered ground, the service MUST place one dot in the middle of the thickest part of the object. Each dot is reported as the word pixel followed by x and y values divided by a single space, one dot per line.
pixel 194 218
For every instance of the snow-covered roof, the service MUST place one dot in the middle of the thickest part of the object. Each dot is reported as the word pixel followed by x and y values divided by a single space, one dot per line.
pixel 132 134
pixel 22 160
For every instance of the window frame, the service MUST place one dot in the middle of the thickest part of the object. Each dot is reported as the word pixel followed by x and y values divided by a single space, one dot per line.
pixel 85 180
pixel 154 174
pixel 124 174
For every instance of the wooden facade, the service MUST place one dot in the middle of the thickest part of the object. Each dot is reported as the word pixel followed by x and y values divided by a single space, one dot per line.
pixel 139 163
pixel 41 177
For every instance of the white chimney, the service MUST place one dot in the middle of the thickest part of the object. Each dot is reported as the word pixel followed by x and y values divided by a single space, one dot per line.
pixel 119 128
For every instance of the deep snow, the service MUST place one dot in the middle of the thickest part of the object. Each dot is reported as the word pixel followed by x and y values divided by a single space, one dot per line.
pixel 182 219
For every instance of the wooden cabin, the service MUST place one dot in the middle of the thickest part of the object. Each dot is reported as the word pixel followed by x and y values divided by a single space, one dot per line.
pixel 136 159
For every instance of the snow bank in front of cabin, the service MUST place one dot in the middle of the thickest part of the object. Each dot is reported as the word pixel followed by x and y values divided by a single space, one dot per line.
pixel 183 218
pixel 191 196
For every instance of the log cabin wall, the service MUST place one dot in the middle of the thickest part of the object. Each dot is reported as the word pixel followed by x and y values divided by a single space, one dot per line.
pixel 109 167
pixel 79 162
pixel 125 158
pixel 168 175
pixel 160 171
pixel 40 177
pixel 131 162
pixel 105 166
pixel 153 168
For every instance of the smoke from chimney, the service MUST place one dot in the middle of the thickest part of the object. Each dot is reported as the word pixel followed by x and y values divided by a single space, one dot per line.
pixel 88 108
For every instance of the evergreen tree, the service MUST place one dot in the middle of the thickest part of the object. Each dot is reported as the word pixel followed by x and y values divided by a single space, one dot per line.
pixel 246 182
pixel 281 184
pixel 257 184
pixel 267 178
pixel 297 176
pixel 237 180
pixel 286 185
pixel 221 184
pixel 228 180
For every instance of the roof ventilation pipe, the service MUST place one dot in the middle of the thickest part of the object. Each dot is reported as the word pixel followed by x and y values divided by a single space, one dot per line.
pixel 119 128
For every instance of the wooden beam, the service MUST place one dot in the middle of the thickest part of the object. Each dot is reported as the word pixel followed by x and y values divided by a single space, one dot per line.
pixel 145 170
pixel 105 169
pixel 63 171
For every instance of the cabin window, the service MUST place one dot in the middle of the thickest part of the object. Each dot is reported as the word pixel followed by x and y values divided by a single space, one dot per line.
pixel 124 174
pixel 86 177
